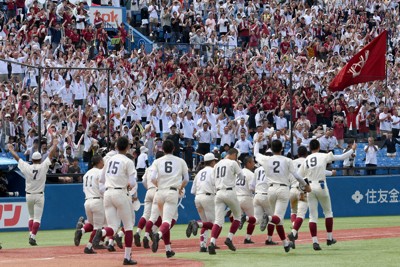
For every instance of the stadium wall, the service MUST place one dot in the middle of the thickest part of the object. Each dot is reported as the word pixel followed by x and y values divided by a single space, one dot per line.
pixel 351 196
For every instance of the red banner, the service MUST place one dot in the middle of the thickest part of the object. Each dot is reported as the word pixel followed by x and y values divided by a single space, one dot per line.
pixel 367 65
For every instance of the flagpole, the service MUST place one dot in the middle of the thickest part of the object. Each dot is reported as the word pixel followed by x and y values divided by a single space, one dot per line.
pixel 386 63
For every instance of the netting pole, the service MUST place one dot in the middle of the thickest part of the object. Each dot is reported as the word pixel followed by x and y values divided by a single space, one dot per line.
pixel 40 108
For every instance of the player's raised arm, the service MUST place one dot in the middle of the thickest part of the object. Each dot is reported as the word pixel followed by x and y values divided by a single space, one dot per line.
pixel 347 154
pixel 53 148
pixel 259 157
pixel 12 151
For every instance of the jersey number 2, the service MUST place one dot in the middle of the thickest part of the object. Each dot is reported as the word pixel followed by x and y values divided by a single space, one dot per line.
pixel 276 166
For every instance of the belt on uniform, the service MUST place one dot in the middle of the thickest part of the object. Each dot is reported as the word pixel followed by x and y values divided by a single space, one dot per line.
pixel 171 188
pixel 153 187
pixel 320 181
pixel 262 194
pixel 278 185
pixel 208 194
pixel 227 189
pixel 117 188
pixel 34 193
pixel 93 198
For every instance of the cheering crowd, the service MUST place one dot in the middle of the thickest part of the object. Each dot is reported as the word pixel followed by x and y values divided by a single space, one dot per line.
pixel 232 84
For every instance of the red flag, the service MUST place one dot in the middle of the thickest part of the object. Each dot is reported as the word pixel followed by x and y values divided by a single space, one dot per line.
pixel 367 65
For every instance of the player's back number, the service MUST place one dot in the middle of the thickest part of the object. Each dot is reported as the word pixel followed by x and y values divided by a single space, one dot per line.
pixel 312 162
pixel 221 172
pixel 168 166
pixel 113 167
pixel 203 176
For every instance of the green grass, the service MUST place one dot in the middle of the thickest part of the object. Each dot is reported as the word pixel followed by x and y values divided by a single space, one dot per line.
pixel 376 252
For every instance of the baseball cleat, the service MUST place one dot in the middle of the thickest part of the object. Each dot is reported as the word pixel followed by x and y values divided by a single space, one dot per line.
pixel 264 222
pixel 146 242
pixel 316 246
pixel 78 236
pixel 270 243
pixel 330 242
pixel 288 247
pixel 292 238
pixel 32 241
pixel 0 246
pixel 89 250
pixel 203 249
pixel 80 223
pixel 230 245
pixel 136 238
pixel 111 248
pixel 195 228
pixel 216 247
pixel 170 254
pixel 248 241
pixel 97 238
pixel 211 249
pixel 118 240
pixel 156 239
pixel 189 229
pixel 129 262
pixel 242 221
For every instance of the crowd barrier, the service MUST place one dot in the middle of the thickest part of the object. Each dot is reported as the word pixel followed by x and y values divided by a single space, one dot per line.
pixel 351 196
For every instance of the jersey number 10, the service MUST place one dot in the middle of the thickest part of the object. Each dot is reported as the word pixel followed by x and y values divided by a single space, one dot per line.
pixel 221 172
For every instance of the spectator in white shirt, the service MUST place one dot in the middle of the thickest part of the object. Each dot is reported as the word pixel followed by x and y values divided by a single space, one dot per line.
pixel 244 146
pixel 280 121
pixel 371 160
pixel 142 162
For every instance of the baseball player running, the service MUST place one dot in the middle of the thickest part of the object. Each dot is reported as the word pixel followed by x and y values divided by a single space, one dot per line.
pixel 167 176
pixel 314 169
pixel 118 175
pixel 278 168
pixel 301 212
pixel 244 192
pixel 35 177
pixel 225 173
pixel 262 208
pixel 294 185
pixel 204 188
pixel 94 206
pixel 148 204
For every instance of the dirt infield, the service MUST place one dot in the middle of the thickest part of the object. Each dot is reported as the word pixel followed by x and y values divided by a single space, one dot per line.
pixel 73 256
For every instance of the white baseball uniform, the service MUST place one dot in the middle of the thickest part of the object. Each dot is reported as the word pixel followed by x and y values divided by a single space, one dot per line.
pixel 151 191
pixel 94 206
pixel 260 183
pixel 277 170
pixel 314 168
pixel 244 192
pixel 35 180
pixel 118 172
pixel 225 173
pixel 294 186
pixel 204 188
pixel 168 172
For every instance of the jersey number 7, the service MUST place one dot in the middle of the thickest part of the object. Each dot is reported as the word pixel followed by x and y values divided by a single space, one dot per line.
pixel 35 172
